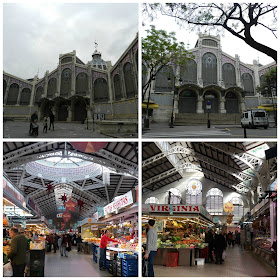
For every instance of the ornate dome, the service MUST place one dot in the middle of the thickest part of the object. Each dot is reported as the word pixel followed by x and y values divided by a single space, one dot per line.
pixel 97 61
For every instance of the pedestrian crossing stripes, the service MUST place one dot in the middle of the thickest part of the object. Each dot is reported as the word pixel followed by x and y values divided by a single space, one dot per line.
pixel 195 134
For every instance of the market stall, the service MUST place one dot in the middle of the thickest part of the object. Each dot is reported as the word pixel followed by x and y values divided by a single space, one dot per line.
pixel 181 233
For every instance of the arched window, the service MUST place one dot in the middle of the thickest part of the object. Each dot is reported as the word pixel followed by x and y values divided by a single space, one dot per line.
pixel 128 79
pixel 231 105
pixel 189 73
pixel 82 84
pixel 209 42
pixel 214 201
pixel 187 101
pixel 38 94
pixel 174 195
pixel 248 85
pixel 25 96
pixel 238 211
pixel 4 89
pixel 229 77
pixel 194 192
pixel 13 94
pixel 144 74
pixel 51 88
pixel 162 83
pixel 117 87
pixel 152 200
pixel 65 87
pixel 209 69
pixel 100 90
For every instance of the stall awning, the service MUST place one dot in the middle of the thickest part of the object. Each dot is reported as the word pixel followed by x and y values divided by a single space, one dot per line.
pixel 152 105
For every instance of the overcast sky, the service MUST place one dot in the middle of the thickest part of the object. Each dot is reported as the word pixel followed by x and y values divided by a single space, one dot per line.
pixel 230 44
pixel 35 34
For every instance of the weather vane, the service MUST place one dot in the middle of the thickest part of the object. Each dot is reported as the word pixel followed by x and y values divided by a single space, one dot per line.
pixel 96 45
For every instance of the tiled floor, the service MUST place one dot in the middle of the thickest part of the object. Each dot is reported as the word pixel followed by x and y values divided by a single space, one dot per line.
pixel 77 264
pixel 237 264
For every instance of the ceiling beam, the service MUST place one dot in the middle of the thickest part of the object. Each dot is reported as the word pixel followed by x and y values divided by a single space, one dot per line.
pixel 118 186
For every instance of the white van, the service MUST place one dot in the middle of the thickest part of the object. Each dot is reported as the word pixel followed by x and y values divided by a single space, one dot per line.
pixel 254 118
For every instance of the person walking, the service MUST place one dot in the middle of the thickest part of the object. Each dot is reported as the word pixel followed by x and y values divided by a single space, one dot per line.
pixel 151 247
pixel 59 243
pixel 17 254
pixel 55 242
pixel 219 247
pixel 209 238
pixel 79 242
pixel 45 122
pixel 103 244
pixel 229 238
pixel 51 117
pixel 65 245
pixel 233 239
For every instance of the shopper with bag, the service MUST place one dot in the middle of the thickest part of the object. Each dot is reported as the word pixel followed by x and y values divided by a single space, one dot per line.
pixel 151 247
pixel 17 254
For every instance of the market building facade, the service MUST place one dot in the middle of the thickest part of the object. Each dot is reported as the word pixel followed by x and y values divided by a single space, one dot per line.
pixel 76 91
pixel 212 78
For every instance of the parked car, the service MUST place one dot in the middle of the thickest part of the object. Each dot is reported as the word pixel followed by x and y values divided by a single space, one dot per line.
pixel 254 118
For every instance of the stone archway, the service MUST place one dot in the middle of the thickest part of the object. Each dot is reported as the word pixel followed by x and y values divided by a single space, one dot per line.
pixel 213 97
pixel 46 108
pixel 187 101
pixel 232 104
pixel 62 110
pixel 79 110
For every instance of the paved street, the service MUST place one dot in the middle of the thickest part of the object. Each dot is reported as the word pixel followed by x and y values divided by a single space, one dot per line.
pixel 62 130
pixel 162 130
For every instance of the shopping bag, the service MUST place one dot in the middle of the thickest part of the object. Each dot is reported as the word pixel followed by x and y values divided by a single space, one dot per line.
pixel 224 255
pixel 7 270
pixel 145 269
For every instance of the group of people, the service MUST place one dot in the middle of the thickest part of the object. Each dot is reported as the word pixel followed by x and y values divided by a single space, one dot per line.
pixel 34 126
pixel 233 237
pixel 20 245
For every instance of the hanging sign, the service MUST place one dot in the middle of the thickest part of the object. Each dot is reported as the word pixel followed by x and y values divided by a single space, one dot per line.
pixel 66 216
pixel 94 227
pixel 228 207
pixel 120 202
pixel 166 208
pixel 59 215
pixel 70 205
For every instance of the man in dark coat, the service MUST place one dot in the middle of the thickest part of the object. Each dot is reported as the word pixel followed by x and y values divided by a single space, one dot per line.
pixel 17 254
pixel 219 247
pixel 51 120
pixel 209 238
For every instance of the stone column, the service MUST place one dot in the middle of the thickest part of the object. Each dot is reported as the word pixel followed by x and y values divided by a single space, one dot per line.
pixel 46 84
pixel 237 71
pixel 58 81
pixel 200 99
pixel 242 103
pixel 89 93
pixel 19 94
pixel 222 103
pixel 122 83
pixel 32 96
pixel 219 69
pixel 199 67
pixel 73 80
pixel 176 101
pixel 7 91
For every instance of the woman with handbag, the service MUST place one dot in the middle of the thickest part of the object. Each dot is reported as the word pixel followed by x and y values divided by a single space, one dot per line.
pixel 65 245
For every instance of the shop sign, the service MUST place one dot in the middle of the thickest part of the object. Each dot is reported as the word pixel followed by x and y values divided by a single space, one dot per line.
pixel 87 221
pixel 59 215
pixel 32 205
pixel 43 219
pixel 95 216
pixel 12 192
pixel 50 221
pixel 94 227
pixel 166 208
pixel 100 212
pixel 120 202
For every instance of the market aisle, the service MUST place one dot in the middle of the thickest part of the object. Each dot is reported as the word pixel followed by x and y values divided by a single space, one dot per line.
pixel 237 264
pixel 77 264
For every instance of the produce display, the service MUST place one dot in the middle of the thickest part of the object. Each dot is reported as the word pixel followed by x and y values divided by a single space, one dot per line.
pixel 171 241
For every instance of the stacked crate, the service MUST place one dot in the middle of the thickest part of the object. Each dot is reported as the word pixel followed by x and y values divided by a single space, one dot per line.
pixel 129 267
pixel 119 266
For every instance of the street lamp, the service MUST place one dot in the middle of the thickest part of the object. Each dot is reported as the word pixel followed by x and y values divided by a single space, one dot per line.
pixel 176 88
